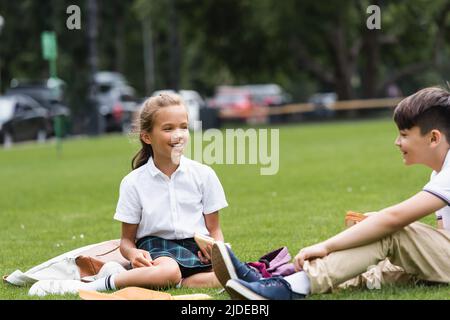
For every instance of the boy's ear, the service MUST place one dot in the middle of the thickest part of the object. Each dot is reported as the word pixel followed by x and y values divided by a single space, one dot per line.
pixel 435 136
pixel 146 138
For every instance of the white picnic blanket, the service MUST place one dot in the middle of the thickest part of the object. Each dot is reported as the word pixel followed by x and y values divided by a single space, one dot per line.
pixel 62 267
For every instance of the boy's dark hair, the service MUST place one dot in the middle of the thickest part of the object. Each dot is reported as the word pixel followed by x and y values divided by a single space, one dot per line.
pixel 428 109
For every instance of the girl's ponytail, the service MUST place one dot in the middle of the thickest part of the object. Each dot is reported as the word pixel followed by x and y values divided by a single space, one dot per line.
pixel 142 156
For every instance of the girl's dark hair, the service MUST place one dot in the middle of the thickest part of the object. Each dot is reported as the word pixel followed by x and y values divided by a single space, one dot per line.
pixel 145 120
pixel 428 109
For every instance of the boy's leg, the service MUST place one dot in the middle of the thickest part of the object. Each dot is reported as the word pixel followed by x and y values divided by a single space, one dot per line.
pixel 391 274
pixel 379 275
pixel 419 249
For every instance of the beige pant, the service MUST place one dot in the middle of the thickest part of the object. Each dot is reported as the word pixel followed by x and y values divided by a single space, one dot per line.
pixel 421 251
pixel 384 273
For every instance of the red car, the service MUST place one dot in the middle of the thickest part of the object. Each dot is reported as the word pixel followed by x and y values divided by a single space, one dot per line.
pixel 230 98
pixel 239 103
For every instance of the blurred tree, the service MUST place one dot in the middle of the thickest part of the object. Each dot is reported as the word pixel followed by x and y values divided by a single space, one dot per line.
pixel 143 12
pixel 21 47
pixel 330 40
pixel 268 40
pixel 305 46
pixel 419 37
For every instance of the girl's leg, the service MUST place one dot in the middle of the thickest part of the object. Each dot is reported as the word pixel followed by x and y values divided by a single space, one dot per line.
pixel 419 249
pixel 201 280
pixel 165 272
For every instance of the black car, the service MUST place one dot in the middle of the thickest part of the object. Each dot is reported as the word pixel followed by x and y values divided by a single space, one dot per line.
pixel 22 118
pixel 49 94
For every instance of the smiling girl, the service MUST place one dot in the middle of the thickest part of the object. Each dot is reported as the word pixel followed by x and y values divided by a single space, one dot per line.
pixel 163 202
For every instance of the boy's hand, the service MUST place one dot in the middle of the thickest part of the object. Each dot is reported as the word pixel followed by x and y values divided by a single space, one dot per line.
pixel 140 258
pixel 309 253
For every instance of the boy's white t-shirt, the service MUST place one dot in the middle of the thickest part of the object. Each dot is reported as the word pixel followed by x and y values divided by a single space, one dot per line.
pixel 170 208
pixel 439 186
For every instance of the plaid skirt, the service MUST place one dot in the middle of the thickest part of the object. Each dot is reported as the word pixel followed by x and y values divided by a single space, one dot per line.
pixel 183 251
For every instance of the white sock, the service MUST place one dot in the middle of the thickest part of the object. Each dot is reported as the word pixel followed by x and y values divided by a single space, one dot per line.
pixel 102 284
pixel 180 284
pixel 299 282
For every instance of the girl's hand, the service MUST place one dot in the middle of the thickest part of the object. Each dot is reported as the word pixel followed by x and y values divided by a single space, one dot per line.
pixel 309 253
pixel 205 254
pixel 140 258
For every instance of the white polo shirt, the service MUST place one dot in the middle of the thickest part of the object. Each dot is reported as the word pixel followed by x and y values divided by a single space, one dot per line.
pixel 439 186
pixel 170 208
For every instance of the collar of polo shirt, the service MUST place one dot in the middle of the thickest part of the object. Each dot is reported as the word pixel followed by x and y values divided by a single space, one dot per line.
pixel 446 161
pixel 155 171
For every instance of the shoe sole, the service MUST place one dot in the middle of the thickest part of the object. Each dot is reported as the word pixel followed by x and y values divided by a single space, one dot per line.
pixel 221 263
pixel 238 291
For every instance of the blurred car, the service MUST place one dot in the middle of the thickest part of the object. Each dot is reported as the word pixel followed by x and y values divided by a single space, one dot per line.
pixel 232 98
pixel 117 102
pixel 48 93
pixel 238 104
pixel 323 103
pixel 324 100
pixel 267 94
pixel 22 118
pixel 194 103
pixel 107 79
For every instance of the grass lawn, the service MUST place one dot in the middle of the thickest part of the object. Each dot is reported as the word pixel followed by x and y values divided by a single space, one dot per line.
pixel 52 203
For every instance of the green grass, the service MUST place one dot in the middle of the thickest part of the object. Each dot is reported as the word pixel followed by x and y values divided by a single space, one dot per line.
pixel 51 203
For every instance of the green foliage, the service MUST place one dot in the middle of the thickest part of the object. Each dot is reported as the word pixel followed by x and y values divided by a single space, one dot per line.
pixel 306 46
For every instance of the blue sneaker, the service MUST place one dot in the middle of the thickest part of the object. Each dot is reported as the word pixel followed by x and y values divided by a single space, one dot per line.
pixel 275 288
pixel 227 266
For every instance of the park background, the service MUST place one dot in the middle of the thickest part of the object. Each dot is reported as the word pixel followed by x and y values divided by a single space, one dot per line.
pixel 55 197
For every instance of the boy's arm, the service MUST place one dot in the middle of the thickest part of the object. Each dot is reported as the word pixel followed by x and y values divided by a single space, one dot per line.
pixel 375 227
pixel 386 222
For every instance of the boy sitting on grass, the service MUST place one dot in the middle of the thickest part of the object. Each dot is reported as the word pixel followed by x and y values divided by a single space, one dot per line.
pixel 423 120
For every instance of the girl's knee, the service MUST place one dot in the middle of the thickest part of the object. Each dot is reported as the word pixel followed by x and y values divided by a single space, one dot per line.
pixel 169 271
pixel 173 274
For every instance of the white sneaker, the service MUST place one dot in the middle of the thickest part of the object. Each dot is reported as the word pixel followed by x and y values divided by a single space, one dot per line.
pixel 45 287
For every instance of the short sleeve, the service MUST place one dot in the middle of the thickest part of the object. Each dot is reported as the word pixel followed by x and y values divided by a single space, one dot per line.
pixel 129 209
pixel 213 193
pixel 439 185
